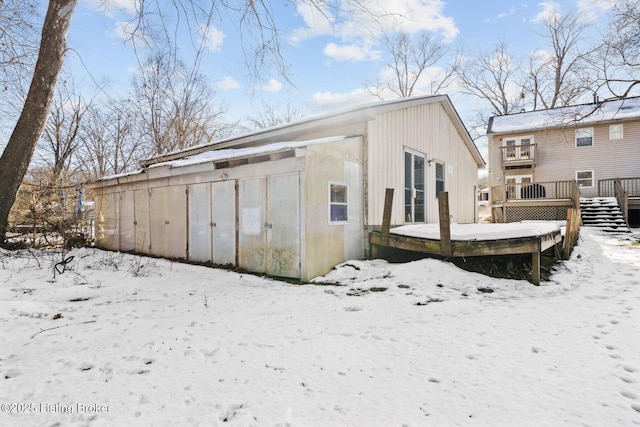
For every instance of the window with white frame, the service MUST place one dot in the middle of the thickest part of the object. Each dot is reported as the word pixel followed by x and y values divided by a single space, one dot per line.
pixel 338 203
pixel 439 177
pixel 584 137
pixel 584 178
pixel 616 131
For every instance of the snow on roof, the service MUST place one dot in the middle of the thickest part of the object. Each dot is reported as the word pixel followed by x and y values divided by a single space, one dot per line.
pixel 464 232
pixel 235 153
pixel 558 117
pixel 232 153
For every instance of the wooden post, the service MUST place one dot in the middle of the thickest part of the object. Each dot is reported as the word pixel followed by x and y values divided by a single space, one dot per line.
pixel 445 230
pixel 535 266
pixel 568 234
pixel 386 215
pixel 386 224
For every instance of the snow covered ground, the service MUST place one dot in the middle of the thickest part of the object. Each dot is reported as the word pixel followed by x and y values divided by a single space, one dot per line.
pixel 124 340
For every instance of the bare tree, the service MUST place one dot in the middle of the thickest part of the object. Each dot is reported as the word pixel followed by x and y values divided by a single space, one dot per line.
pixel 175 105
pixel 24 139
pixel 110 143
pixel 410 60
pixel 560 76
pixel 618 58
pixel 496 77
pixel 18 47
pixel 60 138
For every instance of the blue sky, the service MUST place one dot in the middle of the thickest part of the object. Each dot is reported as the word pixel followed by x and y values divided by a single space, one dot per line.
pixel 328 64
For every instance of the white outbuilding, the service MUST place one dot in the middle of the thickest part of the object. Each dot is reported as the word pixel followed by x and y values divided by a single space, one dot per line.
pixel 296 199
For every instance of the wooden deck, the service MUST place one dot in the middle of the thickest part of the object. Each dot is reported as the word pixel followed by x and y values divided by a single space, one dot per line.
pixel 446 247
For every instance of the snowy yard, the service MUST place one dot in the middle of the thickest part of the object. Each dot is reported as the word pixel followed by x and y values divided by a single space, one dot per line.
pixel 125 340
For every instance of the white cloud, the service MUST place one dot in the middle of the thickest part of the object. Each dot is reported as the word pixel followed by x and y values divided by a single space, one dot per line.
pixel 213 38
pixel 273 86
pixel 591 10
pixel 318 21
pixel 367 20
pixel 324 101
pixel 549 10
pixel 351 52
pixel 227 83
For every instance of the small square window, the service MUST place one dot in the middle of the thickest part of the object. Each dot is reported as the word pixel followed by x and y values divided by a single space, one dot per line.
pixel 584 178
pixel 584 137
pixel 338 203
pixel 616 131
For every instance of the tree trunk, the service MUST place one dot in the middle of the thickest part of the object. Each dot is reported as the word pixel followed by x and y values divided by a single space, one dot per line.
pixel 24 139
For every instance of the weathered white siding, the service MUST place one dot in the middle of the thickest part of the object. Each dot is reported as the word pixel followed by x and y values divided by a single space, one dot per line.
pixel 282 218
pixel 558 159
pixel 426 129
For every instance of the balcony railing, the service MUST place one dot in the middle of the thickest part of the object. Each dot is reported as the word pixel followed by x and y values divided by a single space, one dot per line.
pixel 536 191
pixel 518 154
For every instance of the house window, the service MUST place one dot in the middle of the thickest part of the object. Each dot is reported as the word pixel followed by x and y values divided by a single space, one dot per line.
pixel 338 203
pixel 584 178
pixel 414 187
pixel 616 131
pixel 584 137
pixel 439 178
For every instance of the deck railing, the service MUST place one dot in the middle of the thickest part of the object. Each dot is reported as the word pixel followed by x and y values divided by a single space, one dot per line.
pixel 519 153
pixel 607 187
pixel 551 190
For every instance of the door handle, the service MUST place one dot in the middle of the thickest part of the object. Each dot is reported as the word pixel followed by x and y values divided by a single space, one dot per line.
pixel 267 225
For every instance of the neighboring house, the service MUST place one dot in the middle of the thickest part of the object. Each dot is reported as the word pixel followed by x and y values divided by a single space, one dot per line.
pixel 297 199
pixel 542 162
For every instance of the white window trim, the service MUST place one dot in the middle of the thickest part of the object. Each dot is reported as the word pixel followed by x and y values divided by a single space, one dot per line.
pixel 330 203
pixel 593 142
pixel 621 127
pixel 593 179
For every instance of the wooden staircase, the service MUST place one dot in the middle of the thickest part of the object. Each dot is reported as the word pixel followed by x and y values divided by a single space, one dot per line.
pixel 603 213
